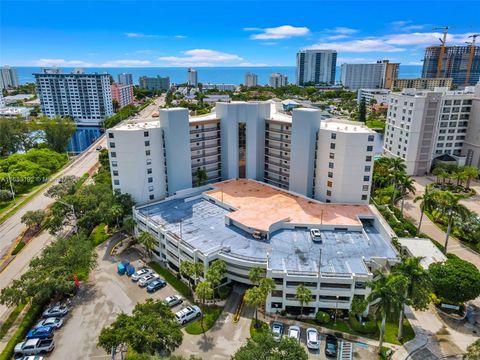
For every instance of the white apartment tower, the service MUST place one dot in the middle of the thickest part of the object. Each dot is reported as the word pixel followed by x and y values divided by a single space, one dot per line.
pixel 424 125
pixel 251 80
pixel 125 79
pixel 85 97
pixel 192 77
pixel 304 153
pixel 8 78
pixel 363 76
pixel 316 67
pixel 278 80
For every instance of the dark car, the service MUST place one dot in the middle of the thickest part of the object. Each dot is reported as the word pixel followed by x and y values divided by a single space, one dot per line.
pixel 43 332
pixel 156 285
pixel 331 346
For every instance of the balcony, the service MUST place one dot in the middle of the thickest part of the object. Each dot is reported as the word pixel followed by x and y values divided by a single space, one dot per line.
pixel 273 161
pixel 280 139
pixel 199 131
pixel 282 148
pixel 277 156
pixel 279 131
pixel 200 156
pixel 203 138
pixel 201 163
pixel 204 146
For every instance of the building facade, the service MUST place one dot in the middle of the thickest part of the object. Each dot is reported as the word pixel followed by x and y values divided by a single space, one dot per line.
pixel 219 87
pixel 316 67
pixel 278 80
pixel 369 76
pixel 154 83
pixel 461 63
pixel 304 153
pixel 424 125
pixel 8 78
pixel 125 79
pixel 379 95
pixel 251 80
pixel 123 94
pixel 192 77
pixel 422 83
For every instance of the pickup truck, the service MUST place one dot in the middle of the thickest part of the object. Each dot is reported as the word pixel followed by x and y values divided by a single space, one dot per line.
pixel 34 347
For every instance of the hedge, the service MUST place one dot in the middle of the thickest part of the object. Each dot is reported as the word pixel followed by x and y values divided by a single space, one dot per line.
pixel 369 327
pixel 18 248
pixel 10 320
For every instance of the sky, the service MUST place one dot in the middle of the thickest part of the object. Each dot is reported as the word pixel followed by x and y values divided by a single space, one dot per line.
pixel 121 33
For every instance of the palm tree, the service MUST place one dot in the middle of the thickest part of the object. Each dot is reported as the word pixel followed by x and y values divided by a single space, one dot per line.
pixel 303 295
pixel 255 274
pixel 417 293
pixel 406 184
pixel 255 297
pixel 427 201
pixel 449 204
pixel 116 211
pixel 203 292
pixel 215 273
pixel 470 173
pixel 397 168
pixel 386 295
pixel 191 270
pixel 148 241
pixel 129 225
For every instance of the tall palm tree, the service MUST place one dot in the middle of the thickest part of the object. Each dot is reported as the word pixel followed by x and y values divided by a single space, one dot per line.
pixel 255 274
pixel 255 297
pixel 426 204
pixel 148 241
pixel 386 295
pixel 406 184
pixel 417 293
pixel 203 292
pixel 397 168
pixel 449 205
pixel 303 295
pixel 470 173
pixel 191 270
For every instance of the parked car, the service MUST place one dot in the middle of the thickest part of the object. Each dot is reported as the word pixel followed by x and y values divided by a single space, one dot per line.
pixel 32 357
pixel 51 321
pixel 294 332
pixel 331 346
pixel 140 273
pixel 155 285
pixel 188 313
pixel 316 235
pixel 99 147
pixel 34 347
pixel 313 342
pixel 277 330
pixel 147 279
pixel 43 332
pixel 55 311
pixel 173 300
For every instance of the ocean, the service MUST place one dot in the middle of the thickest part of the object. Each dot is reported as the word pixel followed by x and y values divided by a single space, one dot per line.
pixel 215 75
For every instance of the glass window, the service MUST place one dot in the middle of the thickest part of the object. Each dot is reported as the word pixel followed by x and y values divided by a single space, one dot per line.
pixel 369 148
pixel 329 183
pixel 147 143
pixel 116 182
pixel 147 152
pixel 145 133
pixel 366 178
pixel 113 154
pixel 332 146
pixel 111 135
pixel 330 174
pixel 371 137
pixel 329 193
pixel 150 179
pixel 112 144
pixel 330 165
pixel 332 156
pixel 333 136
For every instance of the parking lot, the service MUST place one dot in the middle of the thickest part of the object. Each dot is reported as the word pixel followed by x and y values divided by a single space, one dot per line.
pixel 98 303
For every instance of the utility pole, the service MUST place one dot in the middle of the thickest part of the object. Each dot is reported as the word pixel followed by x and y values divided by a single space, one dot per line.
pixel 442 49
pixel 470 58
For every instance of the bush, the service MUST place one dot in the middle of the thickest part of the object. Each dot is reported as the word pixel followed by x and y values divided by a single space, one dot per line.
pixel 18 248
pixel 99 235
pixel 224 291
pixel 322 317
pixel 368 327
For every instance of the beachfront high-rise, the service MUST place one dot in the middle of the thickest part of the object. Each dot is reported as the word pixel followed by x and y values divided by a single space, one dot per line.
pixel 122 94
pixel 192 77
pixel 154 83
pixel 251 80
pixel 461 63
pixel 316 67
pixel 8 78
pixel 379 75
pixel 125 79
pixel 85 97
pixel 278 80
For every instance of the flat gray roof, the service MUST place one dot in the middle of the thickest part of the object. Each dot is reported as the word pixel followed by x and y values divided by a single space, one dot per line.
pixel 203 227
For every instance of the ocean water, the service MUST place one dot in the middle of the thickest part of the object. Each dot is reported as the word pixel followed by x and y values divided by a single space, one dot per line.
pixel 215 75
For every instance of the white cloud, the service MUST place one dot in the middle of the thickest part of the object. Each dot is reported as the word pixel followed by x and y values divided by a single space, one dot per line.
pixel 80 63
pixel 249 64
pixel 201 57
pixel 61 62
pixel 358 46
pixel 126 63
pixel 280 32
pixel 342 30
pixel 405 25
pixel 180 36
pixel 139 35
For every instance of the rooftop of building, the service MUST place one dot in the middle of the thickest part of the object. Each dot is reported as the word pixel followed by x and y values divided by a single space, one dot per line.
pixel 423 248
pixel 200 223
pixel 343 125
pixel 136 125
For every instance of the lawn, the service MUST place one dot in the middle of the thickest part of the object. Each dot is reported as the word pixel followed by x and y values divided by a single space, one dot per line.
pixel 263 328
pixel 99 234
pixel 178 284
pixel 376 124
pixel 210 316
pixel 10 320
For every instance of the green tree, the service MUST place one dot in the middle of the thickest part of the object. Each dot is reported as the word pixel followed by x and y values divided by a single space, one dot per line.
pixel 66 185
pixel 201 177
pixel 255 297
pixel 470 172
pixel 216 272
pixel 33 218
pixel 57 132
pixel 203 292
pixel 426 204
pixel 5 195
pixel 362 110
pixel 303 295
pixel 417 294
pixel 148 241
pixel 358 306
pixel 129 225
pixel 455 280
pixel 116 212
pixel 386 297
pixel 397 169
pixel 191 270
pixel 473 351
pixel 406 184
pixel 255 274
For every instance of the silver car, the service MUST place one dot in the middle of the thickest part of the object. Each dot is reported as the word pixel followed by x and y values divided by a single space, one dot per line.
pixel 313 342
pixel 173 300
pixel 147 279
pixel 294 332
pixel 140 273
pixel 51 321
pixel 277 330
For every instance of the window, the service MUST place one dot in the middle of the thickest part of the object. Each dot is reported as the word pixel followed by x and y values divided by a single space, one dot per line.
pixel 332 156
pixel 329 183
pixel 114 163
pixel 333 136
pixel 150 188
pixel 330 165
pixel 149 161
pixel 151 197
pixel 365 188
pixel 112 144
pixel 149 171
pixel 332 146
pixel 364 197
pixel 113 154
pixel 145 133
pixel 329 193
pixel 368 158
pixel 147 152
pixel 367 168
pixel 150 179
pixel 369 148
pixel 116 182
pixel 147 143
pixel 330 174
pixel 115 172
pixel 366 178
pixel 111 136
pixel 371 137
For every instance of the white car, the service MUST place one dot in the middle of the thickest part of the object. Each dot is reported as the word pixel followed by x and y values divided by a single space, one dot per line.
pixel 313 342
pixel 147 279
pixel 140 273
pixel 32 357
pixel 294 332
pixel 315 234
pixel 277 330
pixel 51 321
pixel 55 311
pixel 188 313
pixel 173 300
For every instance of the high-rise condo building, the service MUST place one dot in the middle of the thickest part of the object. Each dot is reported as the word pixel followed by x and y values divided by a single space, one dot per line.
pixel 369 76
pixel 192 77
pixel 422 83
pixel 461 63
pixel 122 94
pixel 8 78
pixel 327 159
pixel 425 125
pixel 277 80
pixel 125 79
pixel 316 67
pixel 154 83
pixel 251 80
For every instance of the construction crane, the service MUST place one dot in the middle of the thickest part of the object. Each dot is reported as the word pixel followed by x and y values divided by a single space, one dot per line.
pixel 442 49
pixel 470 58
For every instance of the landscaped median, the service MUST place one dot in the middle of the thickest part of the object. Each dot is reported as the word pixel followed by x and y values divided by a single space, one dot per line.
pixel 210 316
pixel 174 281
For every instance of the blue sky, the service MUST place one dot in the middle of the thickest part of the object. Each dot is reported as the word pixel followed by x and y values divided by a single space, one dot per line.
pixel 224 33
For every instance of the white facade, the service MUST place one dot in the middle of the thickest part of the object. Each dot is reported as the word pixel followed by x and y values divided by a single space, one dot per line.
pixel 13 112
pixel 192 77
pixel 252 140
pixel 125 79
pixel 251 80
pixel 423 125
pixel 2 102
pixel 368 76
pixel 8 78
pixel 219 87
pixel 379 95
pixel 278 80
pixel 85 97
pixel 317 67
